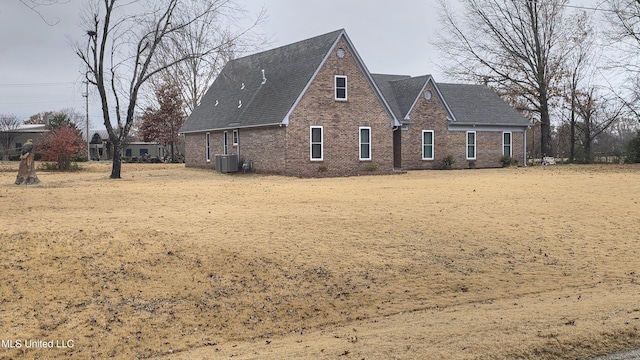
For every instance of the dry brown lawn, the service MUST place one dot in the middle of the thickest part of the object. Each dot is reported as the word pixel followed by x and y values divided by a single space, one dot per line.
pixel 175 263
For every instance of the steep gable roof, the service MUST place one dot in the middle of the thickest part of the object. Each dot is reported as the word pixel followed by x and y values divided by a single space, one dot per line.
pixel 479 105
pixel 262 89
pixel 241 97
pixel 403 92
pixel 465 104
pixel 384 83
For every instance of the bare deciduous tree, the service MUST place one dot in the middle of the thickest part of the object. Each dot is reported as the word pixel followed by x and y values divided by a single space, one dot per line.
pixel 517 47
pixel 35 4
pixel 74 117
pixel 8 126
pixel 624 33
pixel 215 30
pixel 125 38
pixel 580 70
pixel 598 113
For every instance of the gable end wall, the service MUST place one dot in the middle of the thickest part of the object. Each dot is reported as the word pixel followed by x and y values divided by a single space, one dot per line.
pixel 431 115
pixel 340 121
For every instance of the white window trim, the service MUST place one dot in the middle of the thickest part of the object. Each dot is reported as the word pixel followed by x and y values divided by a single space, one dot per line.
pixel 311 143
pixel 360 143
pixel 235 137
pixel 207 147
pixel 225 143
pixel 475 145
pixel 510 143
pixel 433 148
pixel 335 88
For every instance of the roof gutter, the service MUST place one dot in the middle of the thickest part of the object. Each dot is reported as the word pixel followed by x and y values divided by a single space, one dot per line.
pixel 457 123
pixel 453 126
pixel 230 128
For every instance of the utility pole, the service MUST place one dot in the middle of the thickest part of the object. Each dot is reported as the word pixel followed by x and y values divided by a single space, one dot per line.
pixel 91 35
pixel 86 95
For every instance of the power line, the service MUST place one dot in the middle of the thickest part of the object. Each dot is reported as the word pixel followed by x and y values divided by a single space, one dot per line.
pixel 590 8
pixel 38 84
pixel 585 8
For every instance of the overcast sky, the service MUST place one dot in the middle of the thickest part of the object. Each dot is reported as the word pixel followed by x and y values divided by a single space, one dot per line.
pixel 39 71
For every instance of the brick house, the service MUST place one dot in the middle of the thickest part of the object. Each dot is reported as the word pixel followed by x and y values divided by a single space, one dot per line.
pixel 313 109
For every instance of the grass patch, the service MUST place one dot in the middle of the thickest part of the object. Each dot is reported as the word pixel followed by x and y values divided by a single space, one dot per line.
pixel 495 264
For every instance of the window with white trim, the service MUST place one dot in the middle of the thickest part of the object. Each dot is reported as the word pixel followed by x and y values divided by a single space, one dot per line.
pixel 506 144
pixel 471 145
pixel 208 146
pixel 235 137
pixel 316 147
pixel 365 143
pixel 340 87
pixel 427 144
pixel 225 143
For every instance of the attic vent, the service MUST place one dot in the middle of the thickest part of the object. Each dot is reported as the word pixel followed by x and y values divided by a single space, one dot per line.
pixel 242 88
pixel 340 52
pixel 239 104
pixel 264 78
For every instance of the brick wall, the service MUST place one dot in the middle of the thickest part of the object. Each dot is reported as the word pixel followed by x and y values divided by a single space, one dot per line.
pixel 431 115
pixel 194 151
pixel 264 148
pixel 340 121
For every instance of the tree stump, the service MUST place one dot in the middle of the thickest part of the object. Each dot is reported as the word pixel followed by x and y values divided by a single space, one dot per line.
pixel 27 170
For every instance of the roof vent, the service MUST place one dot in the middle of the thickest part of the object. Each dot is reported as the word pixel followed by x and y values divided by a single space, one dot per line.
pixel 217 102
pixel 264 78
pixel 242 88
pixel 239 104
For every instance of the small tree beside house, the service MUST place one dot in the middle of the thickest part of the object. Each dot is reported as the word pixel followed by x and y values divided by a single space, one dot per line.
pixel 62 146
pixel 162 125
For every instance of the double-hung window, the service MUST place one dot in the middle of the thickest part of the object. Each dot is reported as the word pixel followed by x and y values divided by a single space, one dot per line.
pixel 471 145
pixel 506 144
pixel 340 87
pixel 316 143
pixel 208 147
pixel 365 143
pixel 427 144
pixel 235 137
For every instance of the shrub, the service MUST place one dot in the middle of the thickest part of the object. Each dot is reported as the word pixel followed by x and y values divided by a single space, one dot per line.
pixel 632 154
pixel 447 162
pixel 508 161
pixel 371 167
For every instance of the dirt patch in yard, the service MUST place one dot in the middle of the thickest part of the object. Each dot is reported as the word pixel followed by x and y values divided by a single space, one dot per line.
pixel 182 263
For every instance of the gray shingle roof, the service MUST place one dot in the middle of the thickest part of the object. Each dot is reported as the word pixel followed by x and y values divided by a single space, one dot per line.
pixel 479 105
pixel 469 104
pixel 240 98
pixel 383 82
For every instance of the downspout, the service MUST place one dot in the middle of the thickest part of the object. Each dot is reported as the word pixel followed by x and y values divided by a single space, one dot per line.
pixel 525 146
pixel 238 145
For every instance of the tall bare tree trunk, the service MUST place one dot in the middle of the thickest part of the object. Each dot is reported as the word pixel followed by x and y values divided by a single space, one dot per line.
pixel 117 160
pixel 545 126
